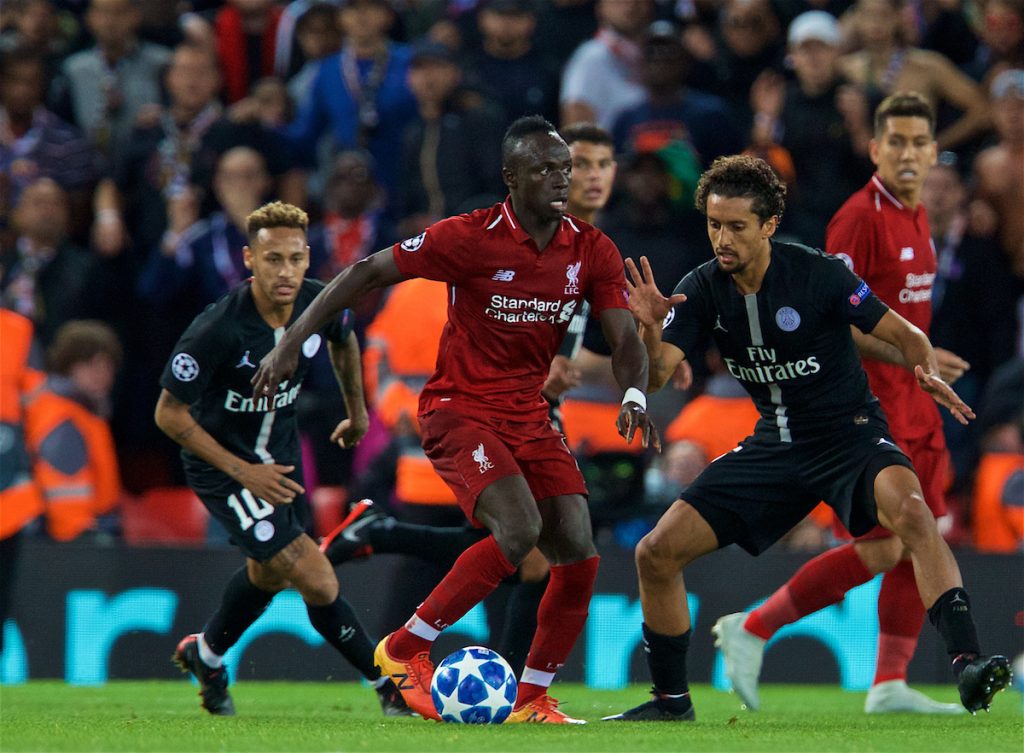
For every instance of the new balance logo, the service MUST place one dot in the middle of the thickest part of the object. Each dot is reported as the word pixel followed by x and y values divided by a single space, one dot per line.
pixel 479 456
pixel 245 362
pixel 907 253
pixel 401 681
pixel 504 275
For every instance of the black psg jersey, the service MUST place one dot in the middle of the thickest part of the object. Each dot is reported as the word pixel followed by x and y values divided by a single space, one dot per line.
pixel 789 344
pixel 212 365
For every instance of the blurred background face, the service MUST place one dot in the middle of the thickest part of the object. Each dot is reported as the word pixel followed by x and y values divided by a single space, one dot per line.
pixel 318 34
pixel 95 377
pixel 21 89
pixel 663 65
pixel 877 22
pixel 1002 27
pixel 1008 114
pixel 193 78
pixel 628 17
pixel 36 23
pixel 364 19
pixel 814 63
pixel 42 212
pixel 112 22
pixel 593 175
pixel 433 80
pixel 252 7
pixel 350 187
pixel 942 195
pixel 748 26
pixel 506 29
pixel 646 180
pixel 241 177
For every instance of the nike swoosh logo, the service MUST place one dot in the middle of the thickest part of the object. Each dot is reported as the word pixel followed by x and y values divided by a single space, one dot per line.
pixel 349 534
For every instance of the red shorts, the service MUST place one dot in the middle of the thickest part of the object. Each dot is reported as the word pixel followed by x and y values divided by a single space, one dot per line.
pixel 471 453
pixel 932 465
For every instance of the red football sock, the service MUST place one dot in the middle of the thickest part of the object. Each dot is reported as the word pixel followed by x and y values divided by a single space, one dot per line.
pixel 900 617
pixel 560 619
pixel 822 581
pixel 476 573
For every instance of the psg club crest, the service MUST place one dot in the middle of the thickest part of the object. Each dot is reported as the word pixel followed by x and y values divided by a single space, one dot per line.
pixel 787 318
pixel 413 244
pixel 311 346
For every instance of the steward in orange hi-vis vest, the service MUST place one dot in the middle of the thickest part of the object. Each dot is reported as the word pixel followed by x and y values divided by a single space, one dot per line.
pixel 20 501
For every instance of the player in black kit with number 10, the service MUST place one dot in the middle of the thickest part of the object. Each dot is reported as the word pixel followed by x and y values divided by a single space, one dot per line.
pixel 241 455
pixel 780 315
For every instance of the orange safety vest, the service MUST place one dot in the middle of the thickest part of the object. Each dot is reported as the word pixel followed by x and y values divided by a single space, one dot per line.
pixel 20 501
pixel 716 424
pixel 998 506
pixel 73 460
pixel 400 355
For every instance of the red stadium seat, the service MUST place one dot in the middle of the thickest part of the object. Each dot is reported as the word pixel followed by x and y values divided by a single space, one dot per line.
pixel 164 515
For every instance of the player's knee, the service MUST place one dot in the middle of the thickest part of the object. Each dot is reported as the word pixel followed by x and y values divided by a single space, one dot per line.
pixel 913 520
pixel 518 540
pixel 656 558
pixel 319 591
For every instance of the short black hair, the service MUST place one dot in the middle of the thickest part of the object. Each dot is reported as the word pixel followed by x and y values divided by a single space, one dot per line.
pixel 904 105
pixel 746 177
pixel 520 129
pixel 589 132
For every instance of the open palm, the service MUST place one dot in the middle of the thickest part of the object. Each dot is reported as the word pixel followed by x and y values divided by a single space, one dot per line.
pixel 646 302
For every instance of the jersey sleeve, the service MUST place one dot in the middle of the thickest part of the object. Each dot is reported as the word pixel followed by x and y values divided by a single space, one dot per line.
pixel 687 324
pixel 850 235
pixel 196 357
pixel 606 285
pixel 848 296
pixel 439 253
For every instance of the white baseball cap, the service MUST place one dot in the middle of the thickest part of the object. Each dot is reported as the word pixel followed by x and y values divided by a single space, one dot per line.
pixel 814 24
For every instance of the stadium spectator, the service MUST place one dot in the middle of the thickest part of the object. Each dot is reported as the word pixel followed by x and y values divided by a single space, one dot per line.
pixel 752 497
pixel 464 420
pixel 973 300
pixel 563 25
pixel 886 64
pixel 43 275
pixel 820 120
pixel 601 79
pixel 20 500
pixel 671 113
pixel 439 175
pixel 74 461
pixel 882 234
pixel 35 143
pixel 35 27
pixel 103 89
pixel 510 68
pixel 999 181
pixel 318 36
pixel 360 96
pixel 245 37
pixel 1001 31
pixel 242 455
pixel 289 55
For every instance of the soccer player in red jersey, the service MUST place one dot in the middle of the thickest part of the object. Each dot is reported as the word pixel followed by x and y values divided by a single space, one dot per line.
pixel 882 234
pixel 516 272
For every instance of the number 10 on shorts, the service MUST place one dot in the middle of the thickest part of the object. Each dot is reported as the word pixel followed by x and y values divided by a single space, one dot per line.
pixel 257 508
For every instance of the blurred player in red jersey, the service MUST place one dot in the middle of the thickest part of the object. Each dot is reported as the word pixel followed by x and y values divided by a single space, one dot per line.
pixel 516 273
pixel 882 234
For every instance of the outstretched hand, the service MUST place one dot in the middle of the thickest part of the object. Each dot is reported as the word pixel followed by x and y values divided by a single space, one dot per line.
pixel 632 417
pixel 279 364
pixel 943 394
pixel 348 433
pixel 646 302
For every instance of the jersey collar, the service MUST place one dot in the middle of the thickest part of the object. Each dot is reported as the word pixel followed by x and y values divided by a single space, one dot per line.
pixel 567 228
pixel 882 194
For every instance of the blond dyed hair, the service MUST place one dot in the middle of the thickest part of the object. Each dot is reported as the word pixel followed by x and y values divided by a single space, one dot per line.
pixel 276 214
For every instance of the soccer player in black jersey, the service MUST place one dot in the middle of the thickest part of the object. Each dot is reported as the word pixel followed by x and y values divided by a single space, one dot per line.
pixel 241 455
pixel 780 315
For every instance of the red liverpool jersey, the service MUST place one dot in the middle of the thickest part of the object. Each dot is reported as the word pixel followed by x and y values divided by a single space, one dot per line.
pixel 889 245
pixel 509 305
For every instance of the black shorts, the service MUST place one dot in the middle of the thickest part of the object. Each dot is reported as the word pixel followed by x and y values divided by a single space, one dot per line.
pixel 256 527
pixel 753 495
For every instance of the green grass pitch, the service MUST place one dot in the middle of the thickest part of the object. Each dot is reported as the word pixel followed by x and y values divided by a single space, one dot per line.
pixel 278 716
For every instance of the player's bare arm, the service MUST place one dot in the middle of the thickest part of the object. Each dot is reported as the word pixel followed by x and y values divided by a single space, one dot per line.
pixel 650 308
pixel 951 366
pixel 376 271
pixel 348 370
pixel 267 481
pixel 917 353
pixel 629 364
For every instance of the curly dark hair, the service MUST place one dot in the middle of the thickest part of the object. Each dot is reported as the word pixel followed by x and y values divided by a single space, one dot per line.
pixel 742 176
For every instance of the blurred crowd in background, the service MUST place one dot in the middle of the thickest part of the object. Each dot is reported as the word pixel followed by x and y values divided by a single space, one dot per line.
pixel 137 135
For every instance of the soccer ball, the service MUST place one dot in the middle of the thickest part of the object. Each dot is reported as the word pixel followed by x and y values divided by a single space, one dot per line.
pixel 474 685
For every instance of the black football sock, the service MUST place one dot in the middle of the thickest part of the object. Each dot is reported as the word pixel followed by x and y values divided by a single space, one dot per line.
pixel 520 623
pixel 240 606
pixel 442 545
pixel 951 616
pixel 340 627
pixel 666 659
